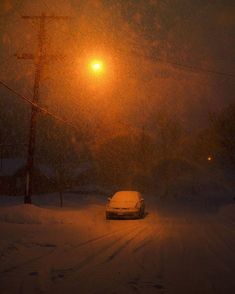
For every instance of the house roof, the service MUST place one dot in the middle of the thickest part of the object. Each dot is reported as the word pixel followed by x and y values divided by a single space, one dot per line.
pixel 82 168
pixel 9 166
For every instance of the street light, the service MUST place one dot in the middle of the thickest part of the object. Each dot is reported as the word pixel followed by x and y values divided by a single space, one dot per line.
pixel 97 72
pixel 97 66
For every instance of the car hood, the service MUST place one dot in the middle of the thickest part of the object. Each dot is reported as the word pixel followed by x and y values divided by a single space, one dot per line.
pixel 122 204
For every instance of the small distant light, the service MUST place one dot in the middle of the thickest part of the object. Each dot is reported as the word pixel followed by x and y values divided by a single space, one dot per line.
pixel 209 158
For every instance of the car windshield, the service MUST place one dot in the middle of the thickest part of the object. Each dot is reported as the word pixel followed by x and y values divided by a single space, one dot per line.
pixel 126 196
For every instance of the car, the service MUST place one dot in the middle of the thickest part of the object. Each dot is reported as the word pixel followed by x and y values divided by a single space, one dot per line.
pixel 125 204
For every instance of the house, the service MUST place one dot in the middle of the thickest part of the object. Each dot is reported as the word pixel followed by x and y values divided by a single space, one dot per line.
pixel 13 177
pixel 83 179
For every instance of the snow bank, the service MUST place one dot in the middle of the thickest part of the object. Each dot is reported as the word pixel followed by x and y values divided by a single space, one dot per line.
pixel 53 200
pixel 31 214
pixel 28 214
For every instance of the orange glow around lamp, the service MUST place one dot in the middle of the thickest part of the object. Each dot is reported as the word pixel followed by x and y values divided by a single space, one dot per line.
pixel 96 66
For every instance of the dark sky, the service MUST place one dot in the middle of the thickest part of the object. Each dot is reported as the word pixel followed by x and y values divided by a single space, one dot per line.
pixel 131 37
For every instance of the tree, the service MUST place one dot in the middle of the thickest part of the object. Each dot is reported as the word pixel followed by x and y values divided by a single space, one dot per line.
pixel 60 147
pixel 124 159
pixel 169 133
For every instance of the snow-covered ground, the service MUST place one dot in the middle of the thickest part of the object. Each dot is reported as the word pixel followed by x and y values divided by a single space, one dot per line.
pixel 179 247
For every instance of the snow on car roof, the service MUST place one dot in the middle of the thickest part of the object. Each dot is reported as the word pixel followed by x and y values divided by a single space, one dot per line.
pixel 126 196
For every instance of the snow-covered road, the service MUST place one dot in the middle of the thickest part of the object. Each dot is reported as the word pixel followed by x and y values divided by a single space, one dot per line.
pixel 177 250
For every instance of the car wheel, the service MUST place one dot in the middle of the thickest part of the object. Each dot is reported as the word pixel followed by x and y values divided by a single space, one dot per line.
pixel 142 213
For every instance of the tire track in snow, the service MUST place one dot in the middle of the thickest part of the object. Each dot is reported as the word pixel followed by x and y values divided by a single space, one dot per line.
pixel 25 269
pixel 170 250
pixel 99 264
pixel 148 263
pixel 115 272
pixel 26 263
pixel 62 272
pixel 158 261
pixel 123 246
pixel 99 238
pixel 142 246
pixel 151 236
pixel 190 254
pixel 55 251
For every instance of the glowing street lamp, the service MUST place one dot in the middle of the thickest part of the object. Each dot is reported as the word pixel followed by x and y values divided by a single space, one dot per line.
pixel 97 66
pixel 97 72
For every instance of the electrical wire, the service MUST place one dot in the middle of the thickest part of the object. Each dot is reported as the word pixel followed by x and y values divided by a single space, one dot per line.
pixel 187 67
pixel 197 69
pixel 36 106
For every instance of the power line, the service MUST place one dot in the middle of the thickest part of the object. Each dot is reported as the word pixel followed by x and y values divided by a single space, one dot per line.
pixel 196 68
pixel 36 106
pixel 184 66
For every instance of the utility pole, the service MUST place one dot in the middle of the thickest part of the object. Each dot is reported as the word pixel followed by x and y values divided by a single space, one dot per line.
pixel 143 148
pixel 39 59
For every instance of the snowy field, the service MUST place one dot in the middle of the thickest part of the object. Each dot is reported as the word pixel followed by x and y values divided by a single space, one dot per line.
pixel 179 247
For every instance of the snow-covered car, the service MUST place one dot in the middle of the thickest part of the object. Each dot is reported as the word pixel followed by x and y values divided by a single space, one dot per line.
pixel 125 204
